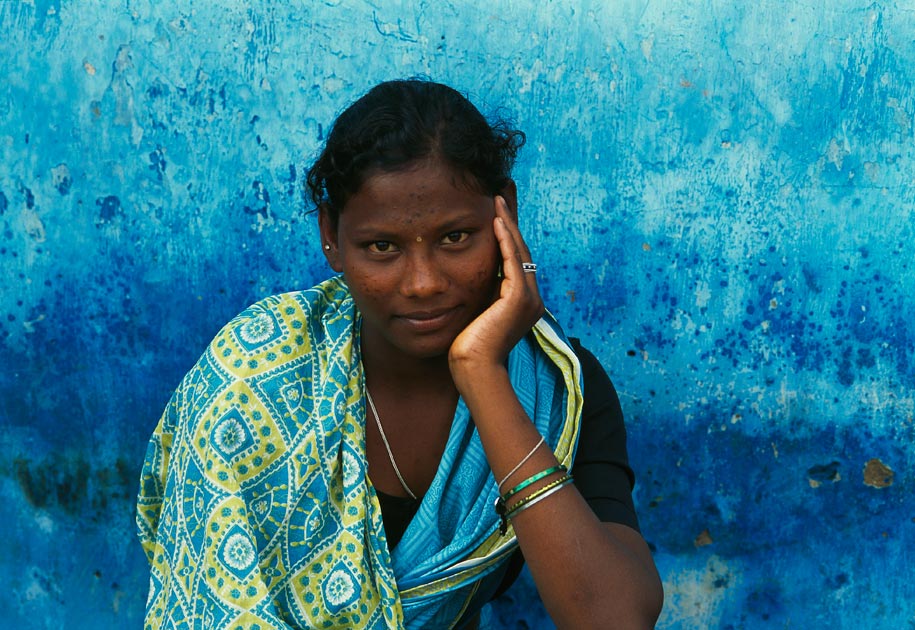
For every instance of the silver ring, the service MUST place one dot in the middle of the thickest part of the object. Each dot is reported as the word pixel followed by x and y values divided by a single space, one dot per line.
pixel 529 267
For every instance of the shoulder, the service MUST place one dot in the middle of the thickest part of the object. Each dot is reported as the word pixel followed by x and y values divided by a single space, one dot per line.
pixel 584 355
pixel 598 388
pixel 602 471
pixel 270 345
pixel 282 328
pixel 603 430
pixel 270 318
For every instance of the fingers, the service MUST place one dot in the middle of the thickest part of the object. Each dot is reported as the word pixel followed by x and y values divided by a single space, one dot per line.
pixel 512 226
pixel 508 249
pixel 513 248
pixel 517 283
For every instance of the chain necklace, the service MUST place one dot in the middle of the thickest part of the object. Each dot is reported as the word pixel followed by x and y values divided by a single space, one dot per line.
pixel 386 445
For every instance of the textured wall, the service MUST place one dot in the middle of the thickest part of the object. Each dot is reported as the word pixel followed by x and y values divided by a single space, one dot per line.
pixel 718 193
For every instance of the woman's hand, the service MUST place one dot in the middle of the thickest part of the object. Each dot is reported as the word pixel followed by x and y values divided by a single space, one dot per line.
pixel 589 574
pixel 489 338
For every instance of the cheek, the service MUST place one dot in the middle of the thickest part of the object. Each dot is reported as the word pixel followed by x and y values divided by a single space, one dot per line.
pixel 484 277
pixel 365 287
pixel 488 260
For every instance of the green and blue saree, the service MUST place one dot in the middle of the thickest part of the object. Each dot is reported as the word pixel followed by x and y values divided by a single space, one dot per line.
pixel 255 507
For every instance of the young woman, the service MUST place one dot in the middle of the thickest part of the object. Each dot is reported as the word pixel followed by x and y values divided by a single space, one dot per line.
pixel 383 450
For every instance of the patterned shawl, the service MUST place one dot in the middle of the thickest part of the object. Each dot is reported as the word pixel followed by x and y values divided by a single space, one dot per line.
pixel 255 509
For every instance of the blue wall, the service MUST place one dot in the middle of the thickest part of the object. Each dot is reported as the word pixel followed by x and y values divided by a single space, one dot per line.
pixel 719 195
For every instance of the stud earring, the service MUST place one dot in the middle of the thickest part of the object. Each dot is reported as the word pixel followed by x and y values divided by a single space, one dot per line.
pixel 327 246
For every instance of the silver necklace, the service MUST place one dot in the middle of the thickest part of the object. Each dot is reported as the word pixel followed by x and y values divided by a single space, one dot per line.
pixel 387 446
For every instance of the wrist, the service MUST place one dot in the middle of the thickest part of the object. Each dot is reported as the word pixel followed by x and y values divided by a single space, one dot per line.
pixel 474 374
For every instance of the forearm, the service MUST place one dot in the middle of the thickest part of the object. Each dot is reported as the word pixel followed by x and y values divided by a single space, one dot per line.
pixel 588 574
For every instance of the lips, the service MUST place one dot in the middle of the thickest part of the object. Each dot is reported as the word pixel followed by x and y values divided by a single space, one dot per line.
pixel 428 320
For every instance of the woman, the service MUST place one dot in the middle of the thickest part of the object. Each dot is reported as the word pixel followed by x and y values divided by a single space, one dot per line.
pixel 372 452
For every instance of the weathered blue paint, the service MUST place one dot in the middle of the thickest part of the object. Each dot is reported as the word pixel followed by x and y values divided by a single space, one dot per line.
pixel 718 193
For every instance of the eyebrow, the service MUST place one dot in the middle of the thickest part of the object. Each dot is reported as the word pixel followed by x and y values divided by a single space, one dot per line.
pixel 383 232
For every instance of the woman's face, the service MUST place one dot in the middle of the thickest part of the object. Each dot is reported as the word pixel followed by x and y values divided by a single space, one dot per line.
pixel 418 251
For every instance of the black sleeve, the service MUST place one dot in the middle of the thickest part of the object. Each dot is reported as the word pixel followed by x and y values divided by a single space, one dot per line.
pixel 601 466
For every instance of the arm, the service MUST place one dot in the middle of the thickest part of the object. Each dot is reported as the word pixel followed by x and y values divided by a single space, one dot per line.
pixel 589 574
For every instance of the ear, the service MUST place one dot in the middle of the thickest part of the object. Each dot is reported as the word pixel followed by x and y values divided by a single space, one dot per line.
pixel 329 242
pixel 510 193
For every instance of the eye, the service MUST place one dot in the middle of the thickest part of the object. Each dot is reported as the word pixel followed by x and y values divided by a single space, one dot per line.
pixel 458 236
pixel 381 247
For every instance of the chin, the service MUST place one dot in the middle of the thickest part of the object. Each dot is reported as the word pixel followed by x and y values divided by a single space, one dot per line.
pixel 426 347
pixel 428 351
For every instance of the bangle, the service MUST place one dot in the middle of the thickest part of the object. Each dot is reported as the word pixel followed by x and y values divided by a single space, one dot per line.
pixel 506 513
pixel 538 496
pixel 500 506
pixel 556 482
pixel 524 484
pixel 521 463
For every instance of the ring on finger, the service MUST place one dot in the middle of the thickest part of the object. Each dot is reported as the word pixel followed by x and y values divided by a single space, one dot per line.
pixel 529 267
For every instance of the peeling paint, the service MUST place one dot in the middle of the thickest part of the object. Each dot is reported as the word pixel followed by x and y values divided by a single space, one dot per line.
pixel 877 474
pixel 818 475
pixel 703 539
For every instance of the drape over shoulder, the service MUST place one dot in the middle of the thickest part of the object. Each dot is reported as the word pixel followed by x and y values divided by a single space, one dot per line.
pixel 255 508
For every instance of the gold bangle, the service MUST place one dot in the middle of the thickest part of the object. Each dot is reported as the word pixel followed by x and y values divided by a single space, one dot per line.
pixel 501 502
pixel 531 499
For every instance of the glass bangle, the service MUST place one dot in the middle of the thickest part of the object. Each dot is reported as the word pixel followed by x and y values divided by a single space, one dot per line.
pixel 535 478
pixel 538 499
pixel 505 513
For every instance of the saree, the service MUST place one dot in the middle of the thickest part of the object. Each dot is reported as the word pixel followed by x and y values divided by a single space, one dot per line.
pixel 255 508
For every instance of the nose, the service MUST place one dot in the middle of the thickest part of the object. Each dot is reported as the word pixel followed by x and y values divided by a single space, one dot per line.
pixel 423 276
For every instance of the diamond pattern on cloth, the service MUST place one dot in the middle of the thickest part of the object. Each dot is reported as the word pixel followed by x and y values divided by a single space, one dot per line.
pixel 255 510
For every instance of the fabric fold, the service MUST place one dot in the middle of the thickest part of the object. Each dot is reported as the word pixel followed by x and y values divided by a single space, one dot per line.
pixel 255 507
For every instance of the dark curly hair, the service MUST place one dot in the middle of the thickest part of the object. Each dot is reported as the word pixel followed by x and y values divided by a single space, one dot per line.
pixel 398 123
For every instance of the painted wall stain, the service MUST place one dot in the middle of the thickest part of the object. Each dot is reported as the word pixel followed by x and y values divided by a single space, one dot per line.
pixel 157 163
pixel 877 474
pixel 703 539
pixel 62 181
pixel 823 473
pixel 73 484
pixel 109 208
pixel 257 200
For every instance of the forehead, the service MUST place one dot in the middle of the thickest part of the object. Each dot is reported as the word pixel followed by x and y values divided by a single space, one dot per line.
pixel 426 187
pixel 423 174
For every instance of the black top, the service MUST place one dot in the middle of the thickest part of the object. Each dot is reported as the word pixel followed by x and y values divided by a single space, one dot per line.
pixel 600 468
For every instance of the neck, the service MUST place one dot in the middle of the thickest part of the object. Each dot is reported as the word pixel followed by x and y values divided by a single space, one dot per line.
pixel 386 369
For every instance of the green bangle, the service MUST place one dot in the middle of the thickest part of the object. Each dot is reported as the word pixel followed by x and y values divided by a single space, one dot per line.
pixel 524 484
pixel 538 496
pixel 504 512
